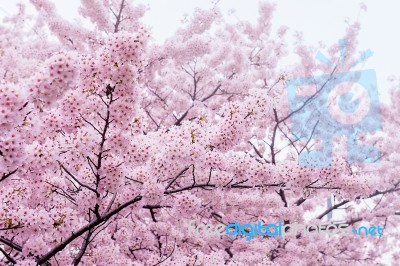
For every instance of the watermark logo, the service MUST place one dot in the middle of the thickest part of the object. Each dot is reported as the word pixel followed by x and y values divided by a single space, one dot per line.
pixel 249 231
pixel 335 104
pixel 372 230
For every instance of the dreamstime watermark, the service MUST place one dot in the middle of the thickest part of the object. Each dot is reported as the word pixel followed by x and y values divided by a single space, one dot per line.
pixel 279 229
pixel 335 104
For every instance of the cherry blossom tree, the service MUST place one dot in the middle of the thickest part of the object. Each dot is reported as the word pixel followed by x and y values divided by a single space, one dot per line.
pixel 110 144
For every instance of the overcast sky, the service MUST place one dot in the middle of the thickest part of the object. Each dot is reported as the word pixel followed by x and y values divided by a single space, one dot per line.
pixel 319 20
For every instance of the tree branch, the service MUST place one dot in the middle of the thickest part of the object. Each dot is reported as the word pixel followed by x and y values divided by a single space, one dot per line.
pixel 84 229
pixel 8 175
pixel 10 244
pixel 8 257
pixel 118 17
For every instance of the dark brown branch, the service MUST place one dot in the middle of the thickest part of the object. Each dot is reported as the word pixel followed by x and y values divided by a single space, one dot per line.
pixel 64 193
pixel 229 252
pixel 93 126
pixel 353 221
pixel 281 193
pixel 203 186
pixel 111 202
pixel 152 207
pixel 212 93
pixel 134 180
pixel 272 146
pixel 8 175
pixel 177 176
pixel 279 121
pixel 107 122
pixel 195 82
pixel 310 138
pixel 309 99
pixel 332 208
pixel 156 206
pixel 163 100
pixel 276 82
pixel 83 248
pixel 8 257
pixel 118 17
pixel 376 193
pixel 84 229
pixel 11 244
pixel 152 119
pixel 237 184
pixel 153 217
pixel 179 120
pixel 161 261
pixel 77 181
pixel 25 104
pixel 300 201
pixel 258 152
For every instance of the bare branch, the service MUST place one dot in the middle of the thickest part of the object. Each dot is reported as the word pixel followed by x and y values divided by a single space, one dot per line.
pixel 118 17
pixel 332 208
pixel 212 93
pixel 203 186
pixel 77 181
pixel 84 229
pixel 8 257
pixel 8 175
pixel 10 244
